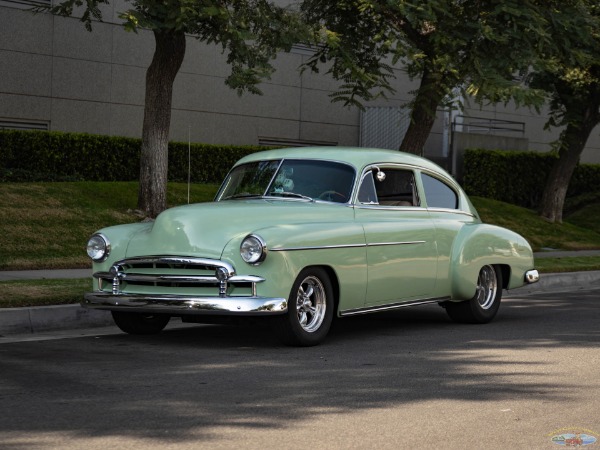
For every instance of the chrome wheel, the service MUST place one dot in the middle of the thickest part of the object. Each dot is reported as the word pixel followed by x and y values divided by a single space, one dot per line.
pixel 311 304
pixel 484 305
pixel 487 287
pixel 310 311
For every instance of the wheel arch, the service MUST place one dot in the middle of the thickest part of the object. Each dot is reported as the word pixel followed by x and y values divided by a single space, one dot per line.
pixel 505 269
pixel 479 245
pixel 333 279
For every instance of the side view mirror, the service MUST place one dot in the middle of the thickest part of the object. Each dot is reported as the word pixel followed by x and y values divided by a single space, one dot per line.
pixel 380 175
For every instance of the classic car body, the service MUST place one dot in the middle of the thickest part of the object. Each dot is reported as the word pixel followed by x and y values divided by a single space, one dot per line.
pixel 306 234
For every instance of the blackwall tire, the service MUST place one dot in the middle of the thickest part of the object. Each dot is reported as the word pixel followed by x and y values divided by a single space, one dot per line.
pixel 310 310
pixel 139 323
pixel 483 307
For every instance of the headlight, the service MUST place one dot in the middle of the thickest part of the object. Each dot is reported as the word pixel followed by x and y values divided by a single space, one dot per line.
pixel 253 249
pixel 98 247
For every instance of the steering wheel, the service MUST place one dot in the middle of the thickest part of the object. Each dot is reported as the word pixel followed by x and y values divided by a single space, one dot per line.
pixel 331 196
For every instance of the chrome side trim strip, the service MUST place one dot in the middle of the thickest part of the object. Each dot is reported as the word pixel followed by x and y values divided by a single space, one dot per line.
pixel 322 247
pixel 328 247
pixel 379 308
pixel 380 244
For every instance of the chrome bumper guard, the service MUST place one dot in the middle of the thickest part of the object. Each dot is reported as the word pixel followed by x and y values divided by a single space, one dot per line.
pixel 532 276
pixel 181 271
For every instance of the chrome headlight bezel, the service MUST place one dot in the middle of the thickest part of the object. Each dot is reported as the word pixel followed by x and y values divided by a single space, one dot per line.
pixel 98 247
pixel 253 249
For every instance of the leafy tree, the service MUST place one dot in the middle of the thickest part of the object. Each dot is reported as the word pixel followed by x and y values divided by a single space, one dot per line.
pixel 475 46
pixel 249 31
pixel 571 77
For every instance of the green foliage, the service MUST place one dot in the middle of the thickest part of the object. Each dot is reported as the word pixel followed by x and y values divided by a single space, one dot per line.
pixel 27 156
pixel 473 46
pixel 519 177
pixel 569 73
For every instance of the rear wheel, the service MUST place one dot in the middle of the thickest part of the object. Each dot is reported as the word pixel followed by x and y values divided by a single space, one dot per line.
pixel 310 310
pixel 139 323
pixel 482 308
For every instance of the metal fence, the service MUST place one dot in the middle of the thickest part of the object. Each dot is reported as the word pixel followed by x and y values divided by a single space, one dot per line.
pixel 383 127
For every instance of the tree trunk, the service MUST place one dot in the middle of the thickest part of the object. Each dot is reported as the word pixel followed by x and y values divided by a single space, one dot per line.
pixel 422 117
pixel 168 56
pixel 572 144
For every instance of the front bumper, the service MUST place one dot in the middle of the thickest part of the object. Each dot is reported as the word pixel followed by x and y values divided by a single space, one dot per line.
pixel 185 305
pixel 177 272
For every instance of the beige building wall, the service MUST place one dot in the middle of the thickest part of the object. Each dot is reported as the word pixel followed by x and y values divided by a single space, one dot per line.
pixel 54 73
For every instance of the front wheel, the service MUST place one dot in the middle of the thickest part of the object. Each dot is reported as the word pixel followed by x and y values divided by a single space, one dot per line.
pixel 139 323
pixel 482 308
pixel 310 310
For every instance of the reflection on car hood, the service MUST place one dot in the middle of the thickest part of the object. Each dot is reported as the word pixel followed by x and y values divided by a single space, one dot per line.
pixel 204 229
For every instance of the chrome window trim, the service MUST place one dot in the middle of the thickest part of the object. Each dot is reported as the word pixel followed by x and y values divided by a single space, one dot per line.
pixel 451 211
pixel 390 207
pixel 382 166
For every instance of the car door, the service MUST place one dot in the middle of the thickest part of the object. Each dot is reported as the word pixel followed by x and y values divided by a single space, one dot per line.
pixel 399 234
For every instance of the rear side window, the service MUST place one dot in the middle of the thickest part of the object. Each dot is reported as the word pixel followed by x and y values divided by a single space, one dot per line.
pixel 438 193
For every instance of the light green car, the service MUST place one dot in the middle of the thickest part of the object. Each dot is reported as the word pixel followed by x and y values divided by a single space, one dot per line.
pixel 301 236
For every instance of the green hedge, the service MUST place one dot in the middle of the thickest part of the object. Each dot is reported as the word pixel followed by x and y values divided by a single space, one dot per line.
pixel 27 156
pixel 519 177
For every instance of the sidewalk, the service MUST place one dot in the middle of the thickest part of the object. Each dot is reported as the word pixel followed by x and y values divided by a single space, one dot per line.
pixel 12 275
pixel 48 318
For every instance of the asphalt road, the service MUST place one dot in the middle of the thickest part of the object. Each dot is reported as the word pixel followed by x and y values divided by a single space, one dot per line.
pixel 404 380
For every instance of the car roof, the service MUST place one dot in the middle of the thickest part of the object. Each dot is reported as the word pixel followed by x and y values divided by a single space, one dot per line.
pixel 359 157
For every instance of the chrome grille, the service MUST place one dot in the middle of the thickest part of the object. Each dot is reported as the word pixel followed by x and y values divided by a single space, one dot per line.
pixel 175 275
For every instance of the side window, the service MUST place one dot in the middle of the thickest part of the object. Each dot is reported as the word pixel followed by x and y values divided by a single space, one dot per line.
pixel 396 188
pixel 438 194
pixel 366 193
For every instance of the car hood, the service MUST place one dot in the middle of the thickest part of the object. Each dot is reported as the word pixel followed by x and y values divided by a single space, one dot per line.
pixel 204 229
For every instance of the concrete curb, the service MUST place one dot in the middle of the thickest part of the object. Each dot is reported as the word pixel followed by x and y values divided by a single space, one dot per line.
pixel 566 281
pixel 50 318
pixel 60 317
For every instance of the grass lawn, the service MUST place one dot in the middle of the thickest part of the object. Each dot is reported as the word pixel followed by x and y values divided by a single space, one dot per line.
pixel 17 294
pixel 47 225
pixel 579 231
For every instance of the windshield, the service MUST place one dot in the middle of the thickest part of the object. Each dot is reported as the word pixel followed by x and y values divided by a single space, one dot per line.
pixel 290 178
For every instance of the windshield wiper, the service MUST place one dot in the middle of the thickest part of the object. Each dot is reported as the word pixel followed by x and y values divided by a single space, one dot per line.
pixel 291 194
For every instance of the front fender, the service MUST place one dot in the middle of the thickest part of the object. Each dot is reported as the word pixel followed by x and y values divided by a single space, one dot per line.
pixel 478 245
pixel 337 246
pixel 120 237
